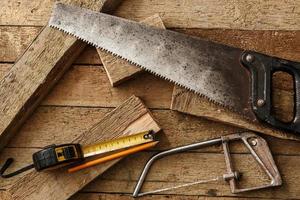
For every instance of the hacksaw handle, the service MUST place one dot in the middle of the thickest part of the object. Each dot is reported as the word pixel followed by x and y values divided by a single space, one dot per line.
pixel 260 151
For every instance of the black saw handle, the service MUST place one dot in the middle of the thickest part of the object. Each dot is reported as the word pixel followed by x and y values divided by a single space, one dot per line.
pixel 262 68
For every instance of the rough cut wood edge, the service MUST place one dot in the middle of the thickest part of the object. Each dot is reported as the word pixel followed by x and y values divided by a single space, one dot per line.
pixel 130 117
pixel 119 70
pixel 191 103
pixel 34 74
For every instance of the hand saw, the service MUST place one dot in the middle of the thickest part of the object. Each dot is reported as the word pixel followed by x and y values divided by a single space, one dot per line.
pixel 54 156
pixel 234 78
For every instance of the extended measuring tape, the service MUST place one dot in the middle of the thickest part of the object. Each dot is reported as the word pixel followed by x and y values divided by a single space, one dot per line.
pixel 55 156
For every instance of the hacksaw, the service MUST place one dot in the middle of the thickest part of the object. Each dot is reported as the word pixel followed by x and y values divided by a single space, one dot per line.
pixel 234 78
pixel 257 147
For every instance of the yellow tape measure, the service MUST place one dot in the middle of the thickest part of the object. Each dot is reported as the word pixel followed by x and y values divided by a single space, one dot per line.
pixel 117 144
pixel 54 156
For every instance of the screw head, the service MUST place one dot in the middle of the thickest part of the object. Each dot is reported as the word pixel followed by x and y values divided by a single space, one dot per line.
pixel 253 142
pixel 250 58
pixel 260 102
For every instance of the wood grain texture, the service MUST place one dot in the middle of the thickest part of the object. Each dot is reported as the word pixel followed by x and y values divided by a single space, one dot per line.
pixel 191 103
pixel 88 85
pixel 107 196
pixel 205 163
pixel 254 14
pixel 32 77
pixel 49 122
pixel 188 167
pixel 119 70
pixel 284 44
pixel 34 74
pixel 178 129
pixel 130 117
pixel 15 39
pixel 278 43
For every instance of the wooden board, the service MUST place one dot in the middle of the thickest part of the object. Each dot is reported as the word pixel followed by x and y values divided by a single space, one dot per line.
pixel 130 117
pixel 84 95
pixel 34 74
pixel 254 14
pixel 88 85
pixel 107 196
pixel 14 40
pixel 192 166
pixel 122 177
pixel 48 123
pixel 119 70
pixel 191 103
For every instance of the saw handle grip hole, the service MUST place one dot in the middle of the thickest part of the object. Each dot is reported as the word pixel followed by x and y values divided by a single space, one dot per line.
pixel 283 96
pixel 275 90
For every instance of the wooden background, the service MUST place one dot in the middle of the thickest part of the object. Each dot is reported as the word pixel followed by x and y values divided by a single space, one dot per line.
pixel 84 95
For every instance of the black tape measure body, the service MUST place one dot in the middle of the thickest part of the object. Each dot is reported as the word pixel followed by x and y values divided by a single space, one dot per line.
pixel 57 155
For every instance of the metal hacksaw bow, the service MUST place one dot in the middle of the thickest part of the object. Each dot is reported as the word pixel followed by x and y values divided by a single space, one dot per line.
pixel 234 78
pixel 257 147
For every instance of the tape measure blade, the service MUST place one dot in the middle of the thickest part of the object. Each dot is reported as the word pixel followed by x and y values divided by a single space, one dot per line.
pixel 117 144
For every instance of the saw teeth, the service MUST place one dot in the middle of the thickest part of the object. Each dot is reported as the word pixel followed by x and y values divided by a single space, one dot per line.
pixel 150 71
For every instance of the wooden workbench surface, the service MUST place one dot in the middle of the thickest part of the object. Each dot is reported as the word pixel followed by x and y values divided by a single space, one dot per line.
pixel 84 95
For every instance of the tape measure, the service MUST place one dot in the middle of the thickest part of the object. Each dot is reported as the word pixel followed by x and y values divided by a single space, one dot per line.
pixel 119 143
pixel 55 156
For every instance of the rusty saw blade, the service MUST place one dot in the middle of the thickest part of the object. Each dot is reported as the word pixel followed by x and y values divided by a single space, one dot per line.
pixel 228 76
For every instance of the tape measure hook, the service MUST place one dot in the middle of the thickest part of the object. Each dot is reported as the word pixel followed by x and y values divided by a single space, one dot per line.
pixel 7 164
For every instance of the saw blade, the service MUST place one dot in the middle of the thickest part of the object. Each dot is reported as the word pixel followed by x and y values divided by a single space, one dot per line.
pixel 207 68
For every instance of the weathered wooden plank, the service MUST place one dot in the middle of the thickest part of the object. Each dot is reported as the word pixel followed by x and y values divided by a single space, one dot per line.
pixel 15 39
pixel 48 123
pixel 89 86
pixel 107 196
pixel 30 79
pixel 130 117
pixel 285 44
pixel 190 103
pixel 119 70
pixel 79 85
pixel 189 167
pixel 186 167
pixel 254 14
pixel 35 73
